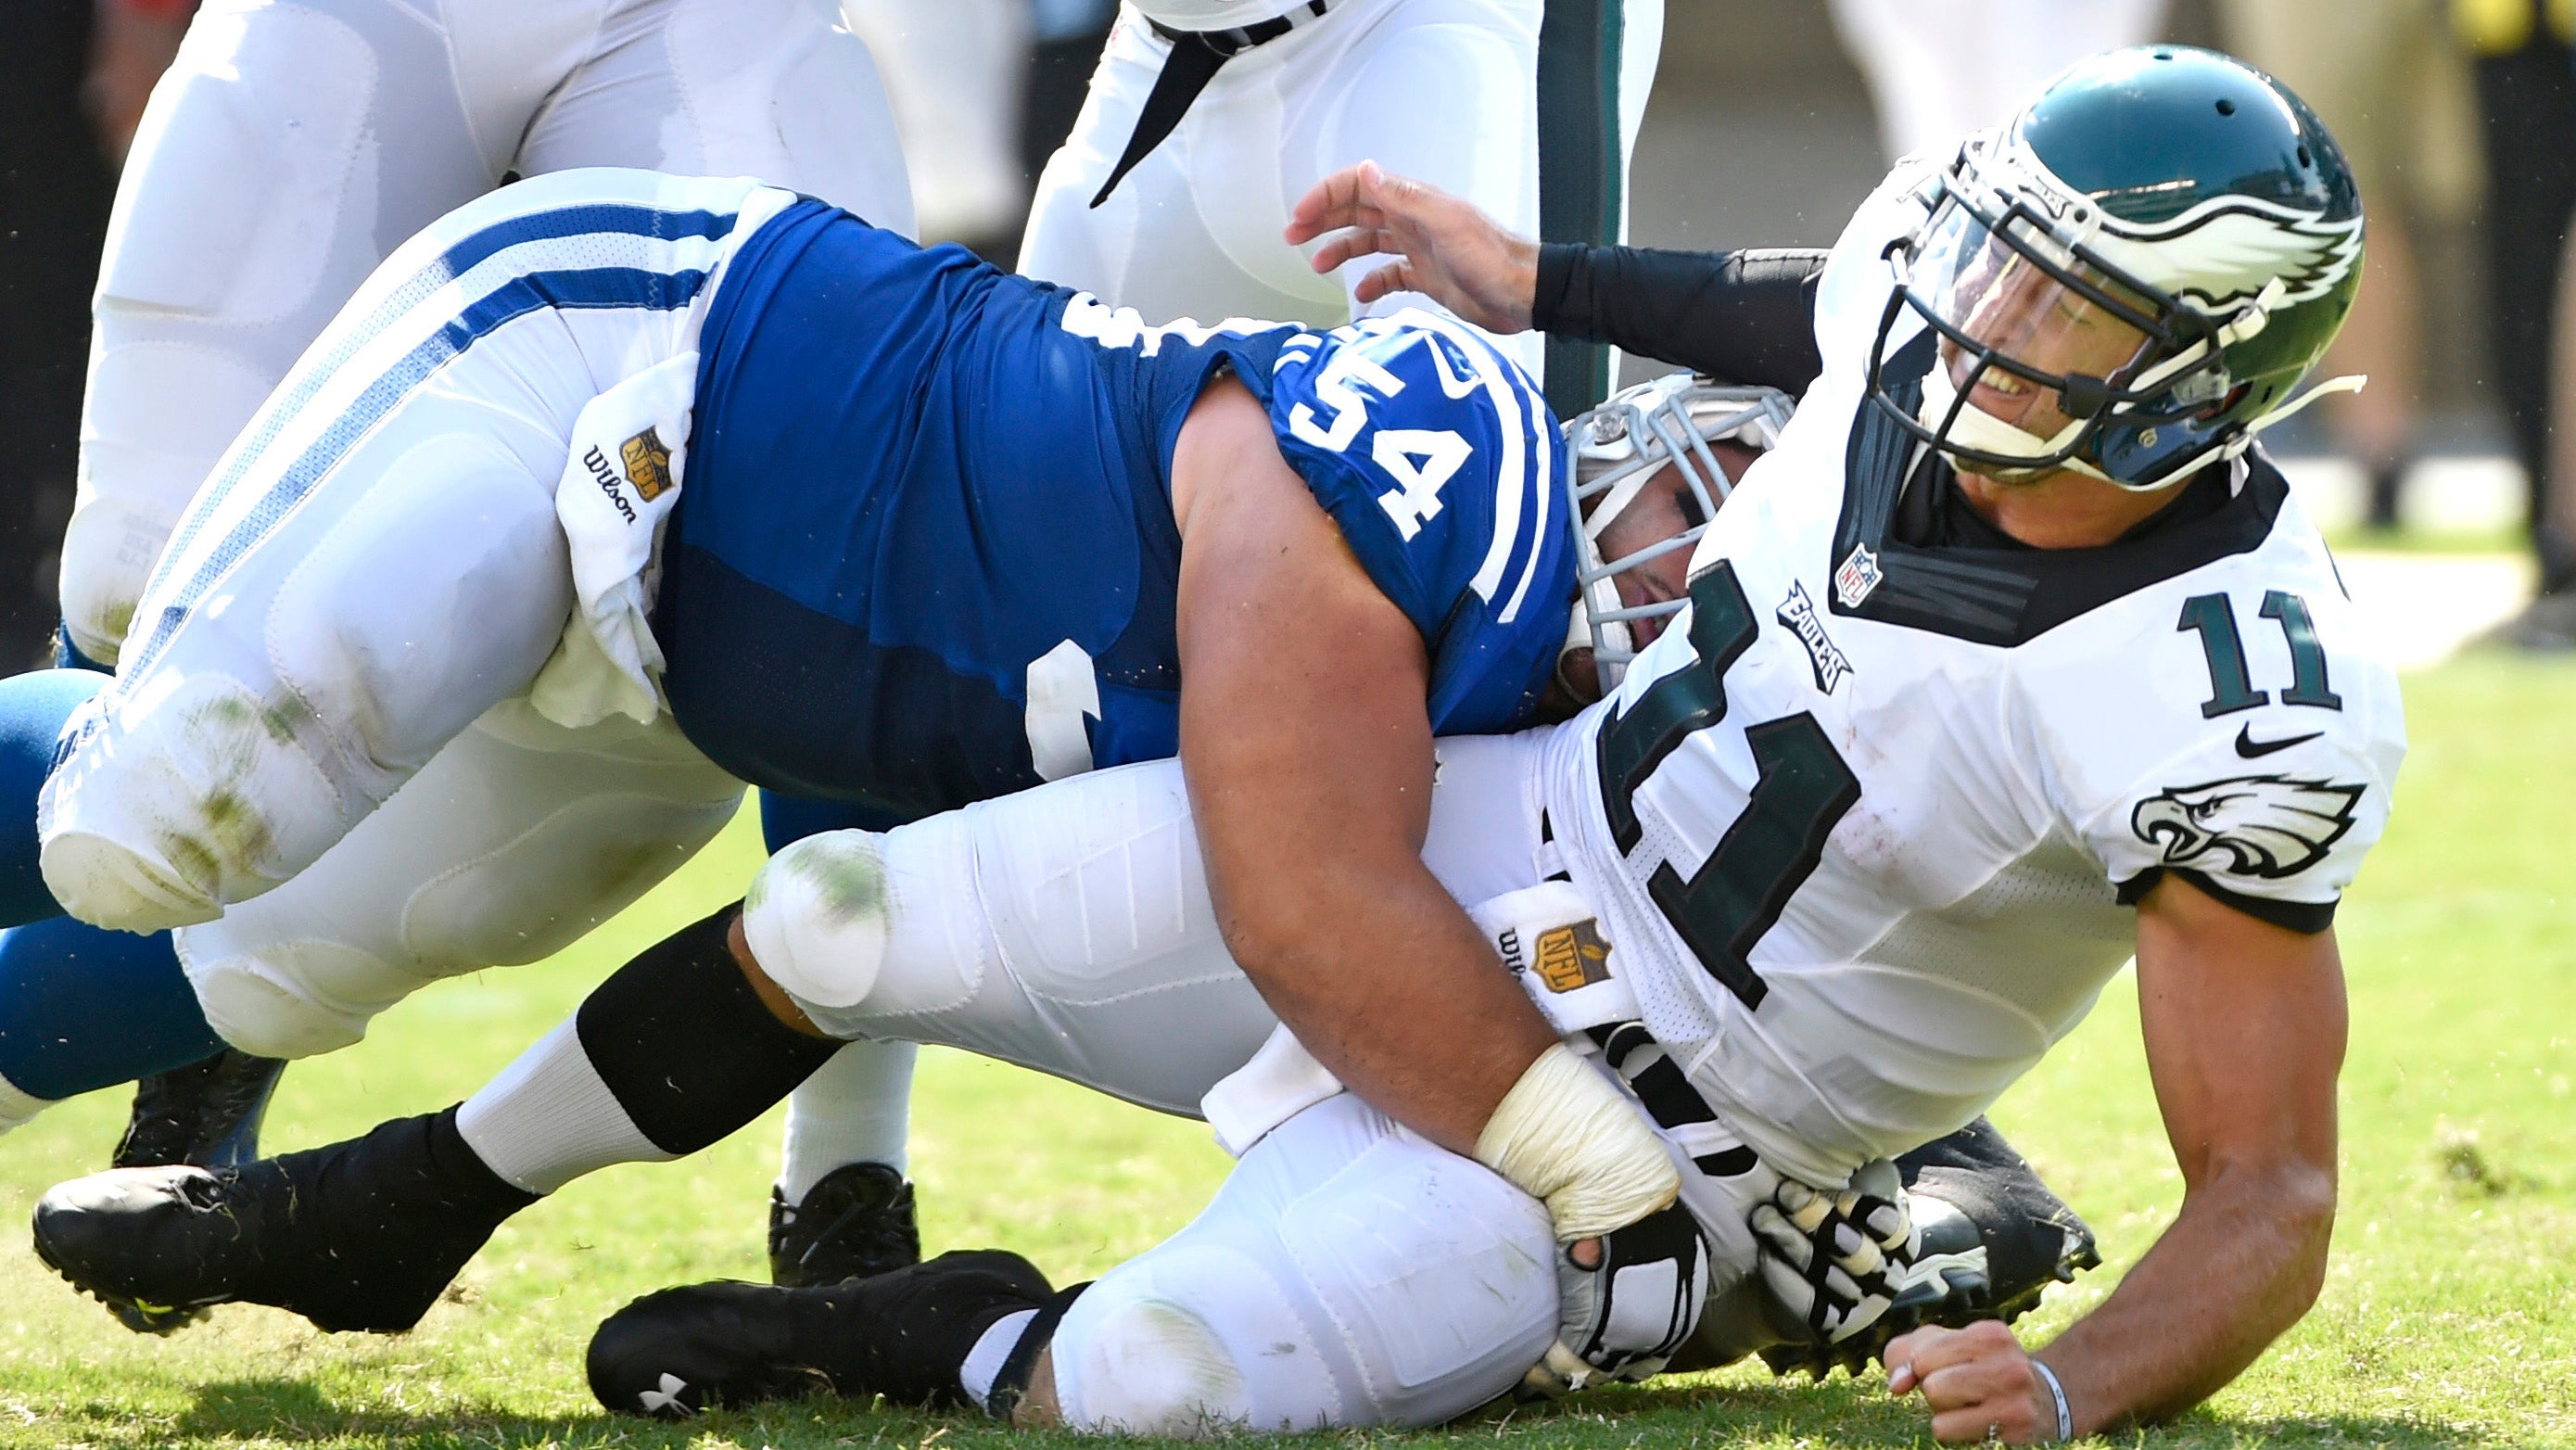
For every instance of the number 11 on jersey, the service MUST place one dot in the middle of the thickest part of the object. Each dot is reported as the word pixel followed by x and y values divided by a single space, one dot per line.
pixel 1802 788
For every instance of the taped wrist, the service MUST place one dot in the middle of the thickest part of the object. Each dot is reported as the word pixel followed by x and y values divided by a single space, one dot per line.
pixel 1567 1137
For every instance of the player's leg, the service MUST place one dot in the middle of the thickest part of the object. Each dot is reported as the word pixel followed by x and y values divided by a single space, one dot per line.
pixel 377 560
pixel 1347 1274
pixel 511 844
pixel 774 89
pixel 767 88
pixel 1193 229
pixel 82 1008
pixel 952 72
pixel 285 150
pixel 841 1206
pixel 1067 929
pixel 1533 120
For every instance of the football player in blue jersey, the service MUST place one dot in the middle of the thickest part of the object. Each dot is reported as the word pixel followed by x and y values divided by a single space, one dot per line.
pixel 729 486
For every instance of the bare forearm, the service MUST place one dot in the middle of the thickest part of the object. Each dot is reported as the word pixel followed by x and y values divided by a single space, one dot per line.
pixel 1392 1034
pixel 2242 1262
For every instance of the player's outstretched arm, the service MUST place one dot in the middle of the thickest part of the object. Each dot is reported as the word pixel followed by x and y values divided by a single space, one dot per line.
pixel 2244 1024
pixel 1442 247
pixel 1308 755
pixel 1746 317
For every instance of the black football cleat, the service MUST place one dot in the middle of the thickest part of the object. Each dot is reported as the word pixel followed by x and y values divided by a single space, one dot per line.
pixel 1994 1238
pixel 857 1221
pixel 902 1334
pixel 361 1235
pixel 207 1113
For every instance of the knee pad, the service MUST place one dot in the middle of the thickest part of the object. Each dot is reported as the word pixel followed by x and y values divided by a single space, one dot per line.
pixel 818 917
pixel 859 927
pixel 176 798
pixel 293 998
pixel 1130 1361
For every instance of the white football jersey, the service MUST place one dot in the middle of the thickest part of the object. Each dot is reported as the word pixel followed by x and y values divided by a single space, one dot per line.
pixel 1862 822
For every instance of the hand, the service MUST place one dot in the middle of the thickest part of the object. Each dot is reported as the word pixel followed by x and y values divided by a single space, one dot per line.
pixel 1626 1301
pixel 1836 1261
pixel 1979 1383
pixel 1444 247
pixel 129 50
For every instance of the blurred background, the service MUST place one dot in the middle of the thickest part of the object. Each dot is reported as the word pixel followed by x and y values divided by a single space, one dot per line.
pixel 1769 120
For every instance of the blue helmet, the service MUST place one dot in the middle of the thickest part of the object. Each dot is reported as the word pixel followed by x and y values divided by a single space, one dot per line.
pixel 2129 277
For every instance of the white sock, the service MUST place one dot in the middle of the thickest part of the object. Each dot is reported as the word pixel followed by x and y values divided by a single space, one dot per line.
pixel 17 1107
pixel 984 1362
pixel 856 1109
pixel 549 1118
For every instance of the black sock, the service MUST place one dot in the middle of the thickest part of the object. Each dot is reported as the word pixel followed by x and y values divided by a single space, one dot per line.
pixel 380 1224
pixel 686 1046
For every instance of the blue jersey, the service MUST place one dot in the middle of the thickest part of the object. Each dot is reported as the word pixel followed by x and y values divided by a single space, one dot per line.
pixel 924 552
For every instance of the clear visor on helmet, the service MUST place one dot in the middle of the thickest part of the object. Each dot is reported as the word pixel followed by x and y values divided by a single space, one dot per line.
pixel 1647 478
pixel 2034 337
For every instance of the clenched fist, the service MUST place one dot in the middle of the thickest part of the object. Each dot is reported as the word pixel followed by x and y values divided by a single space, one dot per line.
pixel 1981 1384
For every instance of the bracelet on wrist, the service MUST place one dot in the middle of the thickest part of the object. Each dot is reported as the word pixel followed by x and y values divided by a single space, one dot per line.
pixel 2057 1392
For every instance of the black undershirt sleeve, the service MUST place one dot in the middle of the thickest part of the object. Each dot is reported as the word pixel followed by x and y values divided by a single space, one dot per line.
pixel 1741 317
pixel 2299 916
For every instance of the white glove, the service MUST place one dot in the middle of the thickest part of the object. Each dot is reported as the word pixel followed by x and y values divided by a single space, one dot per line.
pixel 1624 1319
pixel 1836 1260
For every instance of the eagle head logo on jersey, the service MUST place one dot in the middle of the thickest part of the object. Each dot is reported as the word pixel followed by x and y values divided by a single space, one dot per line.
pixel 2261 825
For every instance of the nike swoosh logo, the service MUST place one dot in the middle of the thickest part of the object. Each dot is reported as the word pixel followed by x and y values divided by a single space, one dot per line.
pixel 2252 749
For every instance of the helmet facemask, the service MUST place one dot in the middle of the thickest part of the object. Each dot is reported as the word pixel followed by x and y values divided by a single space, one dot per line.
pixel 1619 451
pixel 2054 350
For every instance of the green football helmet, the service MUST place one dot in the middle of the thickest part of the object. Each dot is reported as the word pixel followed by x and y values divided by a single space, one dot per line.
pixel 2129 277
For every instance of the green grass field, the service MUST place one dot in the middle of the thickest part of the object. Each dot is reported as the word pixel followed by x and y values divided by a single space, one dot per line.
pixel 2449 1318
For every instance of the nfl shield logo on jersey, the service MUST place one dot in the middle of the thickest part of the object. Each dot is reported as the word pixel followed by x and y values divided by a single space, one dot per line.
pixel 648 464
pixel 1856 578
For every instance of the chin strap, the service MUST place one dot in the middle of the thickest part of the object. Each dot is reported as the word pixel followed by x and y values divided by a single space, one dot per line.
pixel 1978 429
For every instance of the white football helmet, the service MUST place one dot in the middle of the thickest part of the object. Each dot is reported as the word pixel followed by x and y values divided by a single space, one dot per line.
pixel 1617 449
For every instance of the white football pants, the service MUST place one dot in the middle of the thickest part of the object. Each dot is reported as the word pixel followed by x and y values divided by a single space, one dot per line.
pixel 1442 90
pixel 293 143
pixel 1349 1272
pixel 954 72
pixel 1940 69
pixel 367 587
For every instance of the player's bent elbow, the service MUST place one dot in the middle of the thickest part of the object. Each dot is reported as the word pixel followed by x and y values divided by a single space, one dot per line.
pixel 2308 1203
pixel 2293 1203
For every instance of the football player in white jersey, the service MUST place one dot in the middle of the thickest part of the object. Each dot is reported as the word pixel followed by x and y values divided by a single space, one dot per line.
pixel 1208 118
pixel 2015 659
pixel 1976 691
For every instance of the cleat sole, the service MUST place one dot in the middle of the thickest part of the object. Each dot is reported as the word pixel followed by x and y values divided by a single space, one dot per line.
pixel 138 1315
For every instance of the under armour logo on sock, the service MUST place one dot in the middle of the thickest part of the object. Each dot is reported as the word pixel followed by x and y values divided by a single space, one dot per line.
pixel 667 1397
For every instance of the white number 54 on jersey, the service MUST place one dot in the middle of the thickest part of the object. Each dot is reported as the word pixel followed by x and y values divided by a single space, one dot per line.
pixel 1419 461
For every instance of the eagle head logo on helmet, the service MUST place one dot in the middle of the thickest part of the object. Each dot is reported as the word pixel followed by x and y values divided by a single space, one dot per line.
pixel 2261 825
pixel 2196 213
